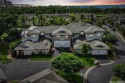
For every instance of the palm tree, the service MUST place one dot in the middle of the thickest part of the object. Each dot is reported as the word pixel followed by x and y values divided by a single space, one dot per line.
pixel 72 18
pixel 82 17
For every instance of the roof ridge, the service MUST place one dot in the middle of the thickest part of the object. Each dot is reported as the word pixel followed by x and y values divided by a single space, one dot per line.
pixel 88 29
pixel 38 75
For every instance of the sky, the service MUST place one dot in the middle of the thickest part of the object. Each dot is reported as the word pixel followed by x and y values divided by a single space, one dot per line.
pixel 68 2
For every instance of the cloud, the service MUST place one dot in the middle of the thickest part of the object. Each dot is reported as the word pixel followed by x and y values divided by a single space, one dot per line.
pixel 80 0
pixel 68 2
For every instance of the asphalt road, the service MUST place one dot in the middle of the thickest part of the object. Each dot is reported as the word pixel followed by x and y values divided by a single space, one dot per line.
pixel 103 74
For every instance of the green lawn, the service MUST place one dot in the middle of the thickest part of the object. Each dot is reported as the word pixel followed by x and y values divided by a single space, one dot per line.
pixel 41 57
pixel 14 81
pixel 4 51
pixel 88 60
pixel 73 78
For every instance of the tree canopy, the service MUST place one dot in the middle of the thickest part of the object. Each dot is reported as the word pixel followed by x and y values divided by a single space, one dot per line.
pixel 119 70
pixel 86 49
pixel 67 62
pixel 4 36
pixel 110 38
pixel 62 9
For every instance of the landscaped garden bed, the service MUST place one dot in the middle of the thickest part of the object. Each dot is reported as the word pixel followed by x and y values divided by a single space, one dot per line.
pixel 111 55
pixel 115 79
pixel 72 78
pixel 40 57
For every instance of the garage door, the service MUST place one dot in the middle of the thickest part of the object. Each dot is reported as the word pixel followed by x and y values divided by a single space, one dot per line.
pixel 103 52
pixel 27 52
pixel 95 52
pixel 99 52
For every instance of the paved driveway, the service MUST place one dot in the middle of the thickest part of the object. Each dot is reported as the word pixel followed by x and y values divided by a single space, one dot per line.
pixel 21 68
pixel 103 74
pixel 102 59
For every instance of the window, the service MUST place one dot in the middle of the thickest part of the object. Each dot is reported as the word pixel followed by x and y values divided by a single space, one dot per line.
pixel 33 35
pixel 62 38
pixel 81 33
pixel 28 34
pixel 25 36
pixel 62 31
pixel 42 33
pixel 91 35
pixel 58 36
pixel 67 37
pixel 99 34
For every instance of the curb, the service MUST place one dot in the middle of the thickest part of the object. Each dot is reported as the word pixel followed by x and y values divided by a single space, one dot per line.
pixel 38 61
pixel 87 72
pixel 91 68
pixel 105 64
pixel 120 36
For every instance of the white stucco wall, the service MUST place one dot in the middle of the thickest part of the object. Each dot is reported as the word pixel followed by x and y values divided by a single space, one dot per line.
pixel 61 43
pixel 99 52
pixel 97 35
pixel 96 52
pixel 27 52
pixel 43 51
pixel 35 52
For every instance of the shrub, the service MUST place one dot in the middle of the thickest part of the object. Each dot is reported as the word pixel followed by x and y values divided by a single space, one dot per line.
pixel 119 71
pixel 110 38
pixel 67 62
pixel 13 44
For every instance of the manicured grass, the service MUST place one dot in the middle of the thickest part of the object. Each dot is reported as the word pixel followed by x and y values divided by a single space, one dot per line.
pixel 4 52
pixel 14 81
pixel 41 57
pixel 88 60
pixel 4 48
pixel 73 78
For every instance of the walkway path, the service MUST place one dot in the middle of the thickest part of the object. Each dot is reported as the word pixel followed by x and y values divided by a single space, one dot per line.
pixel 56 52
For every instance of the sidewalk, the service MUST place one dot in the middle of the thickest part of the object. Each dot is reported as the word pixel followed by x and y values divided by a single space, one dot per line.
pixel 120 36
